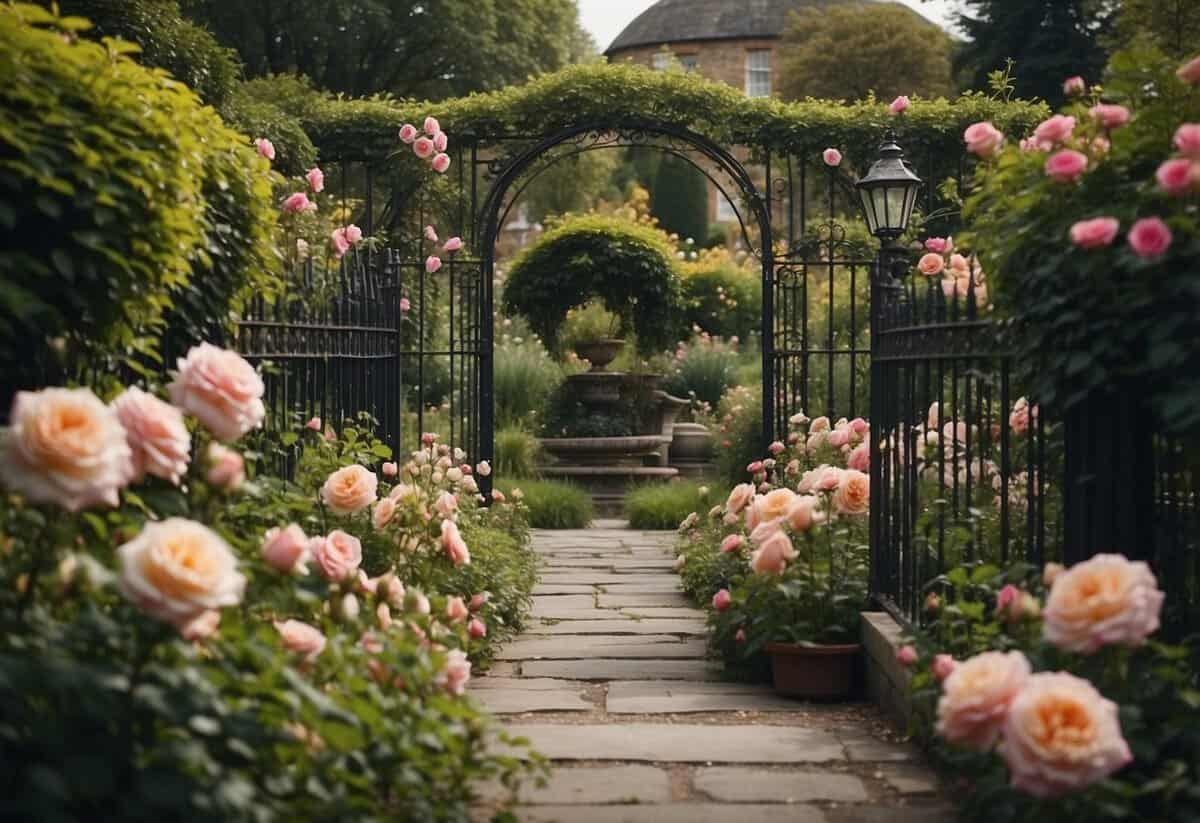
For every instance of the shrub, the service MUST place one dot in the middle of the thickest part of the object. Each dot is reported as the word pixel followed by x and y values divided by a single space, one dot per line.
pixel 294 152
pixel 737 429
pixel 516 453
pixel 703 369
pixel 524 377
pixel 721 297
pixel 92 132
pixel 664 506
pixel 626 266
pixel 552 504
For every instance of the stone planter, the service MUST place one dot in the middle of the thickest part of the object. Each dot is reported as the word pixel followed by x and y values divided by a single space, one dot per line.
pixel 602 451
pixel 691 443
pixel 814 672
pixel 600 352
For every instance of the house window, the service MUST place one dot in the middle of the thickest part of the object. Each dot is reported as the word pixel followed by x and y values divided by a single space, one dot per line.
pixel 662 60
pixel 689 62
pixel 758 73
pixel 725 210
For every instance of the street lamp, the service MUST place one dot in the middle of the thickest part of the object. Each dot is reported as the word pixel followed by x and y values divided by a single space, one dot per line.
pixel 889 192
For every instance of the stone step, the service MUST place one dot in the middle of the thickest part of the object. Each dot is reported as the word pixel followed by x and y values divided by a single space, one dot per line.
pixel 598 668
pixel 614 646
pixel 657 697
pixel 617 626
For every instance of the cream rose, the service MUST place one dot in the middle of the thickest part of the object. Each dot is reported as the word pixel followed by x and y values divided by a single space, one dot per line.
pixel 301 638
pixel 1107 600
pixel 157 436
pixel 349 489
pixel 383 513
pixel 64 446
pixel 853 495
pixel 741 495
pixel 178 569
pixel 774 504
pixel 976 696
pixel 338 556
pixel 220 389
pixel 1061 736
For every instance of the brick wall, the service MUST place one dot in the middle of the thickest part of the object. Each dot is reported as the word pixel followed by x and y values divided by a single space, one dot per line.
pixel 720 60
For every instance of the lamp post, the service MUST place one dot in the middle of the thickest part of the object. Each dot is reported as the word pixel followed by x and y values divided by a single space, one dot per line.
pixel 888 193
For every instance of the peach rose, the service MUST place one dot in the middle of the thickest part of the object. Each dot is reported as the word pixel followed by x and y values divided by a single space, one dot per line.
pixel 453 543
pixel 338 556
pixel 350 489
pixel 802 512
pixel 773 505
pixel 931 264
pixel 983 139
pixel 741 495
pixel 860 458
pixel 1066 166
pixel 772 554
pixel 1061 736
pixel 1095 233
pixel 976 696
pixel 1107 600
pixel 64 446
pixel 383 512
pixel 156 434
pixel 853 495
pixel 457 672
pixel 177 569
pixel 301 638
pixel 220 389
pixel 285 550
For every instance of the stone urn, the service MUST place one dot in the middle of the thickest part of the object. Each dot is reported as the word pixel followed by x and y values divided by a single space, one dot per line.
pixel 600 352
pixel 691 443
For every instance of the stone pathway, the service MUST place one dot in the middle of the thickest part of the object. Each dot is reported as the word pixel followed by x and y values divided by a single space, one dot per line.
pixel 611 684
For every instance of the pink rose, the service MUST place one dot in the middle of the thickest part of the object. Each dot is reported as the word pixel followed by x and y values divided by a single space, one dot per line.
pixel 456 609
pixel 446 504
pixel 906 655
pixel 350 489
pixel 853 495
pixel 285 550
pixel 976 696
pixel 1104 601
pixel 983 139
pixel 477 628
pixel 341 244
pixel 383 512
pixel 1021 415
pixel 452 245
pixel 772 554
pixel 1187 139
pixel 860 458
pixel 478 601
pixel 1074 85
pixel 1110 116
pixel 740 637
pixel 943 666
pixel 454 545
pixel 338 556
pixel 430 234
pixel 405 305
pixel 432 264
pixel 1095 233
pixel 899 105
pixel 732 543
pixel 839 437
pixel 754 467
pixel 298 202
pixel 157 436
pixel 1189 72
pixel 1150 237
pixel 423 148
pixel 832 157
pixel 353 234
pixel 226 468
pixel 389 469
pixel 201 627
pixel 1062 736
pixel 803 512
pixel 1055 130
pixel 432 127
pixel 408 133
pixel 265 148
pixel 776 448
pixel 316 179
pixel 939 245
pixel 301 638
pixel 440 163
pixel 1009 596
pixel 314 423
pixel 722 600
pixel 1066 166
pixel 440 141
pixel 1175 176
pixel 220 389
pixel 457 672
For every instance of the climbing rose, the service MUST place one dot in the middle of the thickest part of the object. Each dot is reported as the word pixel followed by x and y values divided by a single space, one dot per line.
pixel 1074 85
pixel 1104 601
pixel 1066 166
pixel 452 245
pixel 1095 233
pixel 432 127
pixel 1175 176
pixel 432 263
pixel 441 162
pixel 802 512
pixel 423 148
pixel 408 132
pixel 899 105
pixel 1057 129
pixel 1110 116
pixel 265 148
pixel 722 600
pixel 983 139
pixel 1189 72
pixel 939 245
pixel 1149 237
pixel 1061 735
pixel 976 696
pixel 931 264
pixel 405 305
pixel 157 436
pixel 353 234
pixel 316 179
pixel 220 389
pixel 1187 139
pixel 431 234
pixel 440 141
pixel 832 157
pixel 298 202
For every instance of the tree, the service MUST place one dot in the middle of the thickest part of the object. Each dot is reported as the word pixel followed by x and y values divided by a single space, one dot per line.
pixel 430 49
pixel 1171 25
pixel 1048 40
pixel 845 52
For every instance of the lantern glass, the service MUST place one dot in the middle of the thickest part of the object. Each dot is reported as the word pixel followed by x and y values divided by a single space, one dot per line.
pixel 889 193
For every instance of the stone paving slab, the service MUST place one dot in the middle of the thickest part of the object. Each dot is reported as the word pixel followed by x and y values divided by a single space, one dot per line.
pixel 528 683
pixel 619 626
pixel 685 612
pixel 600 577
pixel 656 697
pixel 560 589
pixel 620 669
pixel 680 743
pixel 909 779
pixel 611 562
pixel 597 785
pixel 553 611
pixel 674 813
pixel 741 784
pixel 879 814
pixel 629 600
pixel 583 600
pixel 520 700
pixel 616 646
pixel 665 585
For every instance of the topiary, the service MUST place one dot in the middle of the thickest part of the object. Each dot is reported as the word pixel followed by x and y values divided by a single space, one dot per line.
pixel 628 267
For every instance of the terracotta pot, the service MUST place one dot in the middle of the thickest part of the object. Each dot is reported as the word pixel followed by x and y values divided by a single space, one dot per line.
pixel 814 672
pixel 599 352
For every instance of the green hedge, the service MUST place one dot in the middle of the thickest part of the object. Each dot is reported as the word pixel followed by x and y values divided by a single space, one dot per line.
pixel 552 504
pixel 147 190
pixel 663 506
